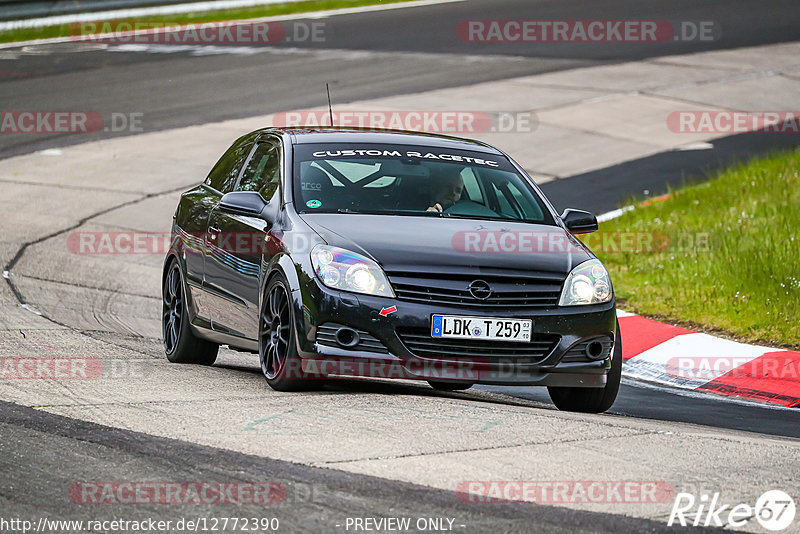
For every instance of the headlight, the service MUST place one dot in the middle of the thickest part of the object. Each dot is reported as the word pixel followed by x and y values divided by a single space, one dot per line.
pixel 338 268
pixel 588 283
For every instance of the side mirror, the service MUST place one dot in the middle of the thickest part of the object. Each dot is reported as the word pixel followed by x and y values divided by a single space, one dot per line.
pixel 579 221
pixel 243 202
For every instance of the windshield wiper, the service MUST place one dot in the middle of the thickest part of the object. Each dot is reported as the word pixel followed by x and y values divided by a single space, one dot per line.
pixel 395 212
pixel 417 213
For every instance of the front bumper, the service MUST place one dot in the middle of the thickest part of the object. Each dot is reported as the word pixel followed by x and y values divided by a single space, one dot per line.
pixel 393 341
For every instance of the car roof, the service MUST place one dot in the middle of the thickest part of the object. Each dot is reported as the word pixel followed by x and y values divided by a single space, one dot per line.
pixel 330 135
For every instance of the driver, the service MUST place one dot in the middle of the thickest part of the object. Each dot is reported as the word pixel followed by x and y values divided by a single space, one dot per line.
pixel 446 191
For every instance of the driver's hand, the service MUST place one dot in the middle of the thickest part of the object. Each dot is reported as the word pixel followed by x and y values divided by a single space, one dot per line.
pixel 435 207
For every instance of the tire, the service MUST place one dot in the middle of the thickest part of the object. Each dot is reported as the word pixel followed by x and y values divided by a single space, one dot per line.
pixel 180 343
pixel 277 350
pixel 592 400
pixel 449 386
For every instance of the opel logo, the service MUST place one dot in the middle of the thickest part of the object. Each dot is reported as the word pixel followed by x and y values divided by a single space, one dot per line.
pixel 480 290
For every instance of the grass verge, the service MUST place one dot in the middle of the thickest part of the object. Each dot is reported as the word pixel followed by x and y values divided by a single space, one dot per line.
pixel 724 254
pixel 64 30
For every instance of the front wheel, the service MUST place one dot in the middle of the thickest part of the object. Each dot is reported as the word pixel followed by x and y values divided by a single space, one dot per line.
pixel 592 400
pixel 180 343
pixel 277 350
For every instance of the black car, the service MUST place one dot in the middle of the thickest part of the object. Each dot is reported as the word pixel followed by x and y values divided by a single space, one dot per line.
pixel 340 252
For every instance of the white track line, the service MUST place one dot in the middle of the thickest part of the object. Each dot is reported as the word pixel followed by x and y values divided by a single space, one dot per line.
pixel 613 214
pixel 194 8
pixel 55 20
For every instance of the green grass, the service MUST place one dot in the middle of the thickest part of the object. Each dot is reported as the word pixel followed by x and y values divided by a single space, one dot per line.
pixel 745 281
pixel 63 30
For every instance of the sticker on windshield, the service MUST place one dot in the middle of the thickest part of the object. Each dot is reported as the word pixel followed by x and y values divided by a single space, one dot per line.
pixel 313 203
pixel 410 155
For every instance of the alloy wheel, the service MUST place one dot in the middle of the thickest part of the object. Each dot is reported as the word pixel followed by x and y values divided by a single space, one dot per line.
pixel 274 332
pixel 172 309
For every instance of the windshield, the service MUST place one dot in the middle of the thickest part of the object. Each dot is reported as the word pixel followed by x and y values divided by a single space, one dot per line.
pixel 412 181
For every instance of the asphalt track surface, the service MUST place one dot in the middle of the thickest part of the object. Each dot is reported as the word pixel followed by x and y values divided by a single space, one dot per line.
pixel 647 401
pixel 397 52
pixel 606 189
pixel 316 499
pixel 407 51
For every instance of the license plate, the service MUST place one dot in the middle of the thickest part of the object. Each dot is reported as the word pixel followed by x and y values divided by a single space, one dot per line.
pixel 459 327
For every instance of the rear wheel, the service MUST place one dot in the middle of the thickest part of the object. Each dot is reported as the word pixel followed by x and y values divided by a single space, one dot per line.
pixel 180 343
pixel 592 400
pixel 449 386
pixel 277 350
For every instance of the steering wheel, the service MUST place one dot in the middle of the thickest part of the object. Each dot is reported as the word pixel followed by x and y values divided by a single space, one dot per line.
pixel 469 207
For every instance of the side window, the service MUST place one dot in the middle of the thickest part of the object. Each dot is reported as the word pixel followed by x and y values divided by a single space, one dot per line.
pixel 223 176
pixel 471 186
pixel 532 211
pixel 263 171
pixel 505 205
pixel 514 204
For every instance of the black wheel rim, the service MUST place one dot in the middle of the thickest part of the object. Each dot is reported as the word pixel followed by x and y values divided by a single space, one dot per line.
pixel 172 309
pixel 274 330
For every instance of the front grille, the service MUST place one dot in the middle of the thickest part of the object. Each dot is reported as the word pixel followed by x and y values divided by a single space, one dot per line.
pixel 510 291
pixel 419 342
pixel 577 353
pixel 326 335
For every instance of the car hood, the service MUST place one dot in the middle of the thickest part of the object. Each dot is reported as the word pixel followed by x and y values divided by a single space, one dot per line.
pixel 396 242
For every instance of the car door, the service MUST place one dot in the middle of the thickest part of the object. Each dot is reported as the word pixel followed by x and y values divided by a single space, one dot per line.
pixel 237 245
pixel 204 198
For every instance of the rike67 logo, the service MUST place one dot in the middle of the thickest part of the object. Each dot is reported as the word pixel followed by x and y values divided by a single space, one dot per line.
pixel 774 510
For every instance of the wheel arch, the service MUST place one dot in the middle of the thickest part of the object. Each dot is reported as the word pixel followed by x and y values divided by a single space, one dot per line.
pixel 167 262
pixel 281 265
pixel 187 288
pixel 284 266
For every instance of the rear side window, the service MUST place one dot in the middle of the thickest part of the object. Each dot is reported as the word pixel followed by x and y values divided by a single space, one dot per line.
pixel 263 172
pixel 223 176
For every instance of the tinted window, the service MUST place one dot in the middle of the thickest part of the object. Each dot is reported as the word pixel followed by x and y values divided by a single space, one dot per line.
pixel 263 172
pixel 412 180
pixel 223 176
pixel 471 187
